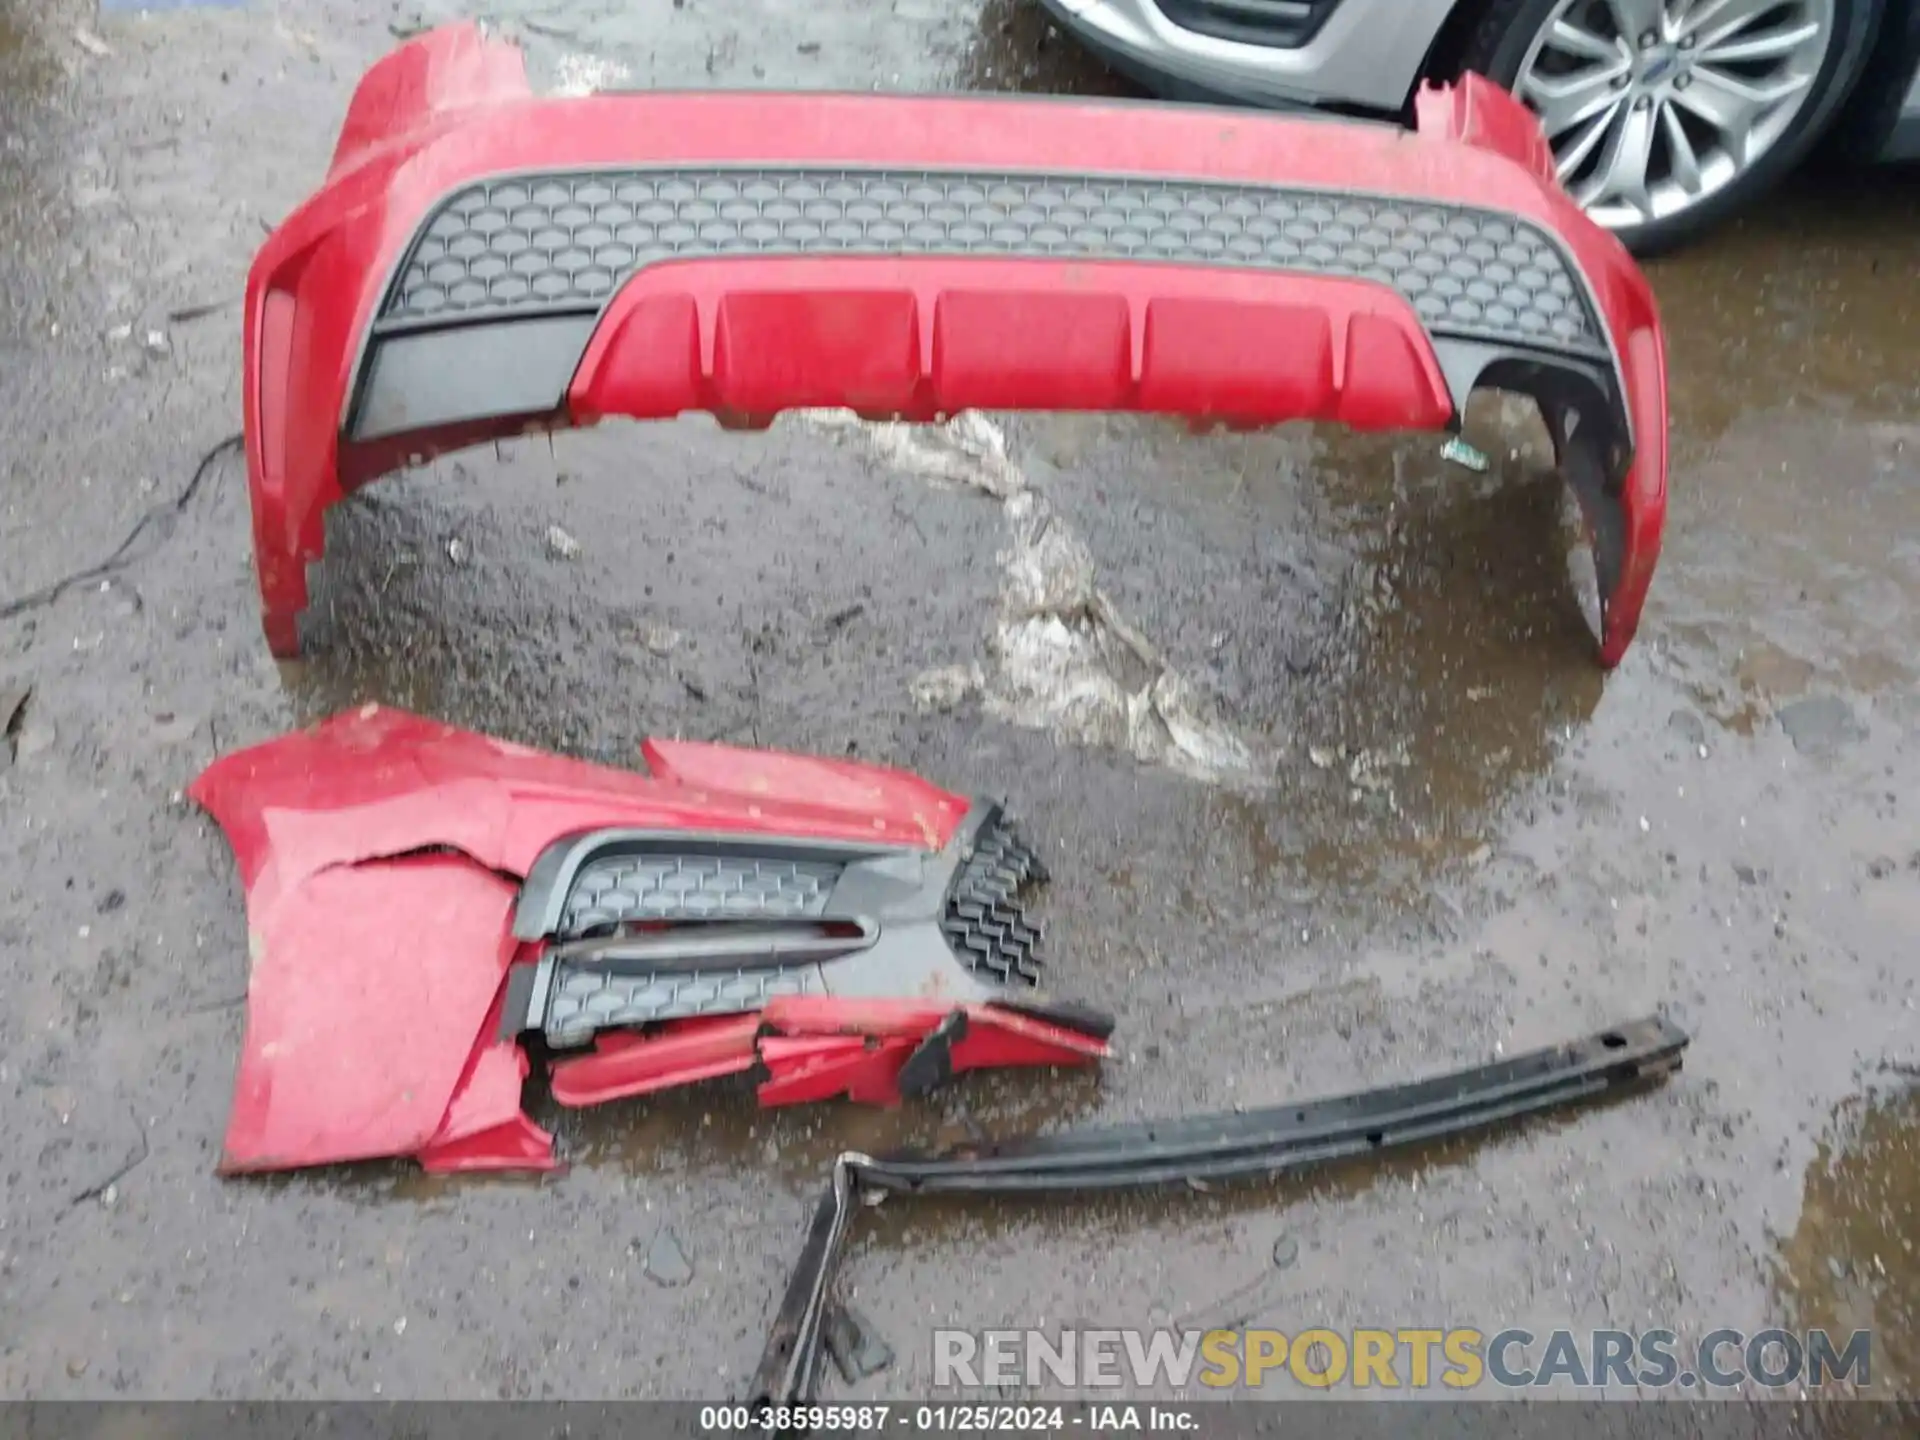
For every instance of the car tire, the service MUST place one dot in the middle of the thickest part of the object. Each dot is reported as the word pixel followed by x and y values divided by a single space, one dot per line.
pixel 1866 122
pixel 1500 42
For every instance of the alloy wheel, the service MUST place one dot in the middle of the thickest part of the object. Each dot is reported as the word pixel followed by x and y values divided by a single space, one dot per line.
pixel 1651 106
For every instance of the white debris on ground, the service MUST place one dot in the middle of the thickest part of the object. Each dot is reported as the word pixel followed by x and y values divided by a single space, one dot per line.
pixel 968 451
pixel 941 690
pixel 576 74
pixel 1369 772
pixel 1370 769
pixel 1459 451
pixel 659 639
pixel 1063 659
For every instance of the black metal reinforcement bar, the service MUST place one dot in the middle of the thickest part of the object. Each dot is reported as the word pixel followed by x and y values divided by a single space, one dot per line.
pixel 1244 1145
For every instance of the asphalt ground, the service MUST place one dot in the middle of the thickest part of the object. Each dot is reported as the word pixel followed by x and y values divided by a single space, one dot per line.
pixel 1423 829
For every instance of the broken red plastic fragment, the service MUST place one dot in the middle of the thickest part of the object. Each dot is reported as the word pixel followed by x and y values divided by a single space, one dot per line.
pixel 814 1048
pixel 380 782
pixel 823 1068
pixel 368 986
pixel 858 1048
pixel 485 1128
pixel 623 1065
pixel 991 1038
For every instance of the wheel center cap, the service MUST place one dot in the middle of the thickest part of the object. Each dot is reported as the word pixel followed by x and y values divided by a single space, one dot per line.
pixel 1658 66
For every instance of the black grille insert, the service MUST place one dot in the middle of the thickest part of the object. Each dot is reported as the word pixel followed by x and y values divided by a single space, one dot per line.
pixel 986 919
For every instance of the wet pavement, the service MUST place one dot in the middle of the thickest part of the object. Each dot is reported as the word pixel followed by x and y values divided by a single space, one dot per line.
pixel 1442 832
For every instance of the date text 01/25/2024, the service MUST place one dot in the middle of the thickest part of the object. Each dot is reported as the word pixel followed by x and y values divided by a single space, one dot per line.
pixel 946 1419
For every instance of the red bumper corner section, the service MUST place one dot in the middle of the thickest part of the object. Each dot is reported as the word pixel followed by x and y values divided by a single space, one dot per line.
pixel 382 855
pixel 810 1048
pixel 481 262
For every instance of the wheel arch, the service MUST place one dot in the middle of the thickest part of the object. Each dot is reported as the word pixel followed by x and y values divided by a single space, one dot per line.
pixel 1863 123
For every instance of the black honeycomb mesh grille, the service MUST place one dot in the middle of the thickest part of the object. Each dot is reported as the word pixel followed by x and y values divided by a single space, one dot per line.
pixel 986 920
pixel 587 1000
pixel 563 243
pixel 627 889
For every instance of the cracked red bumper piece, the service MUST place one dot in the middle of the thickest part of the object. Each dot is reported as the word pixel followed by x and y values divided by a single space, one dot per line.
pixel 818 1048
pixel 421 900
pixel 481 262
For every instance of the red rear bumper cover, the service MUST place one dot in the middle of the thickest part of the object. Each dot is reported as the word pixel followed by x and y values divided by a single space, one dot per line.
pixel 481 262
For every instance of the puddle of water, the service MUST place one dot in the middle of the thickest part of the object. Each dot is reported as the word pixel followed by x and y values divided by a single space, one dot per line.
pixel 1471 648
pixel 1790 567
pixel 1455 662
pixel 1852 1262
pixel 1460 657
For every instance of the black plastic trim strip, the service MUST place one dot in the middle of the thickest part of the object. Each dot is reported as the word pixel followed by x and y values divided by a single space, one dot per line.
pixel 1067 1014
pixel 460 374
pixel 695 947
pixel 1257 1143
pixel 543 896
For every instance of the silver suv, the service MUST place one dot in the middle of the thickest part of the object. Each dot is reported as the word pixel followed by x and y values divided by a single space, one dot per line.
pixel 1666 115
